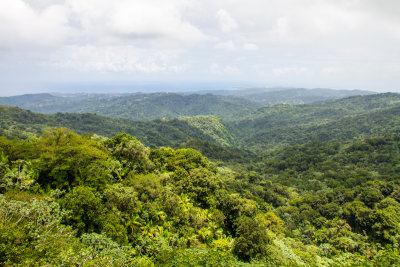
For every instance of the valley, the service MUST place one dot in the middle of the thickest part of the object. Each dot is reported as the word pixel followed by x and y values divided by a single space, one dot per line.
pixel 240 184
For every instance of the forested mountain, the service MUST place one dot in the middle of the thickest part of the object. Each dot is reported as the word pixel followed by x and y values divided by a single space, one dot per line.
pixel 228 105
pixel 51 103
pixel 304 185
pixel 206 133
pixel 292 96
pixel 167 105
pixel 16 122
pixel 332 120
pixel 265 128
pixel 138 106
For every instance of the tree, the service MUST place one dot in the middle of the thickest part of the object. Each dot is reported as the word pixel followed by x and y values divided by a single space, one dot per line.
pixel 251 239
pixel 86 209
pixel 67 159
pixel 133 155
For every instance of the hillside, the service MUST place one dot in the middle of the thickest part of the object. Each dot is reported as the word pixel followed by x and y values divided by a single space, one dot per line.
pixel 137 106
pixel 265 128
pixel 167 105
pixel 331 120
pixel 49 103
pixel 19 123
pixel 291 96
pixel 229 104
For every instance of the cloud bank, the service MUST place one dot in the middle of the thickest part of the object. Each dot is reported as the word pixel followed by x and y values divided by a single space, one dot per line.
pixel 332 43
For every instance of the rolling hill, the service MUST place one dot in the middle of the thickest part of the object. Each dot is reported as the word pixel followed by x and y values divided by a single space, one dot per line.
pixel 137 106
pixel 229 104
pixel 264 129
pixel 20 123
pixel 331 120
pixel 291 96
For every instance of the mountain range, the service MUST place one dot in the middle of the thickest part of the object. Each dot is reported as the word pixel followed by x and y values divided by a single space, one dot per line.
pixel 259 129
pixel 237 183
pixel 228 105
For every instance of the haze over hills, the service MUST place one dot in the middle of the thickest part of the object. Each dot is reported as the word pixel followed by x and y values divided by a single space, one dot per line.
pixel 226 104
pixel 292 96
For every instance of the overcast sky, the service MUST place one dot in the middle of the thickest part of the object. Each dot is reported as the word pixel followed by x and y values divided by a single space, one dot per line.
pixel 300 43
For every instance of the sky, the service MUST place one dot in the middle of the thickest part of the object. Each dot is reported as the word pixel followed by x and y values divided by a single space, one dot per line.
pixel 78 45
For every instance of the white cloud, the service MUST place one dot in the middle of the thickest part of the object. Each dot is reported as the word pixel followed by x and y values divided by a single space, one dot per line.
pixel 100 35
pixel 155 22
pixel 250 46
pixel 329 70
pixel 332 38
pixel 291 71
pixel 226 22
pixel 126 58
pixel 217 69
pixel 315 22
pixel 22 25
pixel 229 46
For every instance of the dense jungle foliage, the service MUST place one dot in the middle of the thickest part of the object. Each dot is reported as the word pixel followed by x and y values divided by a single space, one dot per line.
pixel 96 199
pixel 84 200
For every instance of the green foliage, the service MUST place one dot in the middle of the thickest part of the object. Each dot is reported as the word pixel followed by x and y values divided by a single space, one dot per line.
pixel 251 239
pixel 339 120
pixel 265 128
pixel 219 152
pixel 137 106
pixel 68 199
pixel 18 123
pixel 67 159
pixel 201 257
pixel 31 233
pixel 130 152
pixel 319 165
pixel 211 126
pixel 386 221
pixel 85 208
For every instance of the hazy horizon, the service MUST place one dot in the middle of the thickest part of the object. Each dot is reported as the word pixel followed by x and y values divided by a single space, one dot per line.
pixel 89 88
